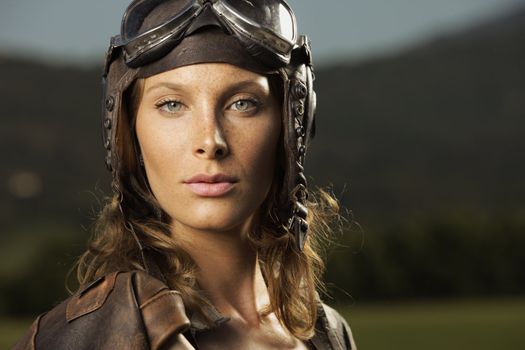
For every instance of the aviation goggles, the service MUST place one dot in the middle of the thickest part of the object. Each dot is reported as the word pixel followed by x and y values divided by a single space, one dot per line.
pixel 270 24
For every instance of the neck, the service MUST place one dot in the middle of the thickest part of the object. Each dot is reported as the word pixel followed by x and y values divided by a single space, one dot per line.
pixel 229 271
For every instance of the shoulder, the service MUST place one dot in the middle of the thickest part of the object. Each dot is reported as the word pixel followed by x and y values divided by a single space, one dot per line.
pixel 131 309
pixel 335 329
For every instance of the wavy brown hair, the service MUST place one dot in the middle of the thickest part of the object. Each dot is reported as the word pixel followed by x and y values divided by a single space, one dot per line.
pixel 132 218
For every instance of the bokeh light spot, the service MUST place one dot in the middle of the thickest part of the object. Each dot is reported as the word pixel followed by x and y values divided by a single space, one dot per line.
pixel 24 184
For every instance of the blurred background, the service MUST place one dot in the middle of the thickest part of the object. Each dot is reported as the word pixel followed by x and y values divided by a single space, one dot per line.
pixel 421 134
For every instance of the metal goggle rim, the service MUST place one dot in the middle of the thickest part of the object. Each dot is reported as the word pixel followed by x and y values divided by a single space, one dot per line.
pixel 174 30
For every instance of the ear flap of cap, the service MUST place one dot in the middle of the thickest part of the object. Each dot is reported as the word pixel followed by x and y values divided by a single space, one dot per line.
pixel 119 78
pixel 299 112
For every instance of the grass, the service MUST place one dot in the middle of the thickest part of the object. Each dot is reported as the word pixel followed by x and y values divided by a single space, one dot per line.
pixel 466 324
pixel 11 330
pixel 462 324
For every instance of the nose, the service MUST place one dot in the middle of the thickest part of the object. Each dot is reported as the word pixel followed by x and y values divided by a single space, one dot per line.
pixel 210 141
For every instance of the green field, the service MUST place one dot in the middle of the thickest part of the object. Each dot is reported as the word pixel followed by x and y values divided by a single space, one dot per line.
pixel 11 330
pixel 462 325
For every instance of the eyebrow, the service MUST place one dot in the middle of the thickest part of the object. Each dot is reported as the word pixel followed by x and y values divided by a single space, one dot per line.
pixel 233 87
pixel 165 85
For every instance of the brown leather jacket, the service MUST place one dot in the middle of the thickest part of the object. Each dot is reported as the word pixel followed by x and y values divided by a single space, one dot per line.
pixel 133 310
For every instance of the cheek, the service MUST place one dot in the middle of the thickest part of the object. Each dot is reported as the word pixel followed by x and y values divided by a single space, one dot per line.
pixel 259 149
pixel 161 145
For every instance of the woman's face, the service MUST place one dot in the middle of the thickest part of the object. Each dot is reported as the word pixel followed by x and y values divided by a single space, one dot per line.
pixel 208 134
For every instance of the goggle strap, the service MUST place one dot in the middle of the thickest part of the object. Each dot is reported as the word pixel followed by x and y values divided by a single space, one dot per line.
pixel 302 52
pixel 114 44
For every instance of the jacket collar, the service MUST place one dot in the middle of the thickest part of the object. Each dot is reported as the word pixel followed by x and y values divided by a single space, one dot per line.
pixel 199 324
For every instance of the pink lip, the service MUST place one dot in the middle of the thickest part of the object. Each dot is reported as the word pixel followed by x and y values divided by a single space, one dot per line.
pixel 211 185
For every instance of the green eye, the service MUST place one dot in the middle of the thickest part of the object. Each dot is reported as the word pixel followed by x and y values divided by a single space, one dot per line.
pixel 170 106
pixel 244 105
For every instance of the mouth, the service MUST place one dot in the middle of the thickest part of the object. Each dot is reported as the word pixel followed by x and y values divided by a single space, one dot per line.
pixel 211 185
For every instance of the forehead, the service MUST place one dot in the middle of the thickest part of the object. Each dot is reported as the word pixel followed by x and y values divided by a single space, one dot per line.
pixel 209 75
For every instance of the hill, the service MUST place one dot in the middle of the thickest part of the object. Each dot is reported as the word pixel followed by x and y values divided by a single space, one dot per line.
pixel 431 131
pixel 426 146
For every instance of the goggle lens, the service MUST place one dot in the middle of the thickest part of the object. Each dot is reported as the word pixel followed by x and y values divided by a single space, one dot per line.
pixel 273 15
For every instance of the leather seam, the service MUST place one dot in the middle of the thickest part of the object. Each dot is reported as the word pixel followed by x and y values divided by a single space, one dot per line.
pixel 37 326
pixel 72 313
pixel 158 296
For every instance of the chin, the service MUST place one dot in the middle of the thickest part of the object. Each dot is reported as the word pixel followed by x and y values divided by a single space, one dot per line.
pixel 215 217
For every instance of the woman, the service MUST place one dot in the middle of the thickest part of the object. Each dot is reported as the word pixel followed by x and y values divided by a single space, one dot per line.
pixel 208 111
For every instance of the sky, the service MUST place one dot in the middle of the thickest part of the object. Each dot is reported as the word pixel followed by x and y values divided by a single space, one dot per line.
pixel 78 31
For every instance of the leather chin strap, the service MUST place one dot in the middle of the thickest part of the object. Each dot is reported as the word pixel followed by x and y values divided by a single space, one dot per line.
pixel 300 102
